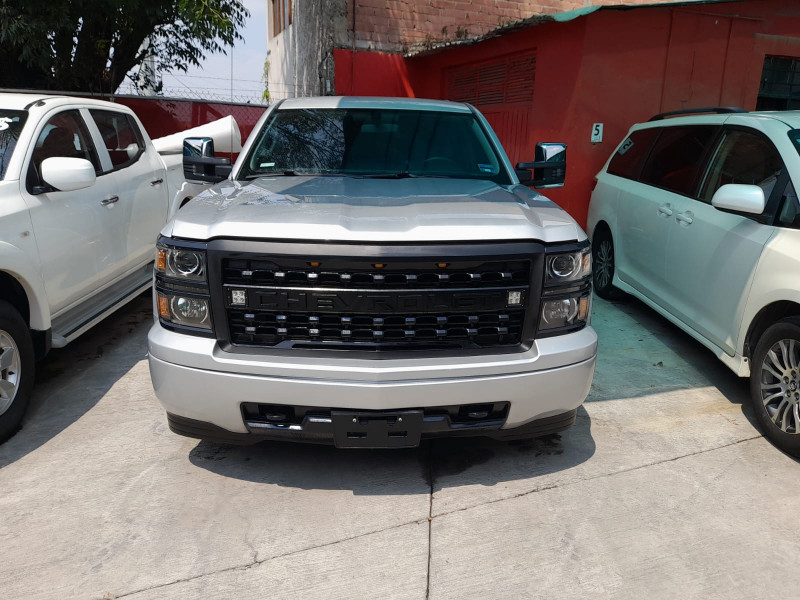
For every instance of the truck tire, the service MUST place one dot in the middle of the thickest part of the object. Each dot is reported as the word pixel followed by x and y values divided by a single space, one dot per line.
pixel 17 364
pixel 775 384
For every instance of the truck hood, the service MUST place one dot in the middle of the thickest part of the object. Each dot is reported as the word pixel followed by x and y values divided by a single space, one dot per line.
pixel 373 210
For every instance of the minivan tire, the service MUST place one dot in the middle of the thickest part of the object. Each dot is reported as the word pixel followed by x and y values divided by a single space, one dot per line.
pixel 17 364
pixel 778 381
pixel 603 265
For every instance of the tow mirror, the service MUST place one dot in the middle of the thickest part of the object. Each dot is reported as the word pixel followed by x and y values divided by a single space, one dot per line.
pixel 739 198
pixel 200 164
pixel 549 166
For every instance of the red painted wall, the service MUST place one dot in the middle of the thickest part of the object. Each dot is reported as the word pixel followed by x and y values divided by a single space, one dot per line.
pixel 371 74
pixel 164 116
pixel 613 67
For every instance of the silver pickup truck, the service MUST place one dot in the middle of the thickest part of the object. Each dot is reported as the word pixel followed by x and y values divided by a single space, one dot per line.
pixel 372 273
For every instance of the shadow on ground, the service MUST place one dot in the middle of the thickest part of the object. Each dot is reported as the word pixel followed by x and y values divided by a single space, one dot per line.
pixel 307 466
pixel 641 353
pixel 65 390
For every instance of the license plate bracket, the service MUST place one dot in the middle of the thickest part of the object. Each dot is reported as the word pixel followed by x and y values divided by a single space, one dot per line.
pixel 377 429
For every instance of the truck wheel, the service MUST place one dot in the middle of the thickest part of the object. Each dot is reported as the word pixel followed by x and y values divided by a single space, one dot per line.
pixel 775 384
pixel 603 265
pixel 16 369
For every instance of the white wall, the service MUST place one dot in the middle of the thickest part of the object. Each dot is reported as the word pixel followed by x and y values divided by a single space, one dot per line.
pixel 300 56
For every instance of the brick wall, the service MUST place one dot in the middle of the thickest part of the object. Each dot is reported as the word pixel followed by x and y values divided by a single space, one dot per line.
pixel 402 25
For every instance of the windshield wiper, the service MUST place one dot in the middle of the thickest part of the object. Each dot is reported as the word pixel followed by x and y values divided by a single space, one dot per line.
pixel 287 173
pixel 401 175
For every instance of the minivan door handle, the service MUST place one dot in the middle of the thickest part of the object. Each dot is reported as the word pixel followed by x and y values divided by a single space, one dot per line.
pixel 665 210
pixel 110 200
pixel 685 218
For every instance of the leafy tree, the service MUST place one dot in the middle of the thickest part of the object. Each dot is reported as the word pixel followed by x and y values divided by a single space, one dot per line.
pixel 90 45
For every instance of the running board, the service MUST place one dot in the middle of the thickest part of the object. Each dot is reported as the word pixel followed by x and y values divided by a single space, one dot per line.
pixel 75 322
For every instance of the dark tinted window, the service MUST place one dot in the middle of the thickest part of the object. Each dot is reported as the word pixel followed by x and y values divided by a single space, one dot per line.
pixel 375 142
pixel 780 84
pixel 120 135
pixel 630 156
pixel 743 157
pixel 64 135
pixel 11 123
pixel 789 212
pixel 675 163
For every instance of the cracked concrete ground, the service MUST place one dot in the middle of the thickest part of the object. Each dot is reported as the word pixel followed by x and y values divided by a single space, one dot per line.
pixel 663 489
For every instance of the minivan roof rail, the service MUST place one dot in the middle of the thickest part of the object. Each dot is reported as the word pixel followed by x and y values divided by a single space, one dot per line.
pixel 720 110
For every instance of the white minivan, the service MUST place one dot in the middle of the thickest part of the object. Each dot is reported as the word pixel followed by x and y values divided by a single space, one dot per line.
pixel 698 217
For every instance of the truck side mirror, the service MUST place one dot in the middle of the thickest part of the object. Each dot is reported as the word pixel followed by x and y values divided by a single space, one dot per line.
pixel 549 166
pixel 199 163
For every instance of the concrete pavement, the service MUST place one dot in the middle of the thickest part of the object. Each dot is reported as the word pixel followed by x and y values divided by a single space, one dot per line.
pixel 663 489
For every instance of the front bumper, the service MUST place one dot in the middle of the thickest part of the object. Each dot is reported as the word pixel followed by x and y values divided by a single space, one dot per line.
pixel 203 388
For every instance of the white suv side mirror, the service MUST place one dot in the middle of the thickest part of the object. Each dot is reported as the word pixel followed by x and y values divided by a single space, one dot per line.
pixel 740 198
pixel 68 174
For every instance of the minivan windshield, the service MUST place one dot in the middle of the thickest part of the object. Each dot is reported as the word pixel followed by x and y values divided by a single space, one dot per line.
pixel 375 143
pixel 11 124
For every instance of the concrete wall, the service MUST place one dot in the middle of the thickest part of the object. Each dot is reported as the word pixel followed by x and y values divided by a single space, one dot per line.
pixel 407 25
pixel 301 56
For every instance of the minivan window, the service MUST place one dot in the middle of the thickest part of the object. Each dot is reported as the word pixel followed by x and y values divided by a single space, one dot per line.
pixel 374 143
pixel 11 124
pixel 631 154
pixel 794 135
pixel 676 161
pixel 743 157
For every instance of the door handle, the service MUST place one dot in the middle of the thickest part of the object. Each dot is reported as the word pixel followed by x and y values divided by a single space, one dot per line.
pixel 685 218
pixel 110 200
pixel 156 181
pixel 665 210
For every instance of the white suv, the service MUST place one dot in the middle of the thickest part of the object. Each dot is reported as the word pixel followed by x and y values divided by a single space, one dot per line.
pixel 698 217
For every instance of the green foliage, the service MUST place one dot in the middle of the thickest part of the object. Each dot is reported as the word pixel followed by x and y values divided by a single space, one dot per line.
pixel 265 78
pixel 90 45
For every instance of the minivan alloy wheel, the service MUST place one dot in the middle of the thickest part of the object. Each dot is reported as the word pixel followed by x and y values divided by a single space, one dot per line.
pixel 604 263
pixel 780 385
pixel 10 370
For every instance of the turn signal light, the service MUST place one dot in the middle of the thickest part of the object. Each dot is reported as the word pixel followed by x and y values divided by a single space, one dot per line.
pixel 161 260
pixel 163 307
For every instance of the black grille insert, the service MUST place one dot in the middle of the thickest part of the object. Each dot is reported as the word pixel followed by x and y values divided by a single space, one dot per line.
pixel 245 271
pixel 269 328
pixel 375 298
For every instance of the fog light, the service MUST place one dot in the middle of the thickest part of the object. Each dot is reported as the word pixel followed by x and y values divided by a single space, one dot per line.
pixel 239 297
pixel 514 298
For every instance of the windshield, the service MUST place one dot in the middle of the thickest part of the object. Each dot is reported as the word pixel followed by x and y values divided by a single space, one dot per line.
pixel 374 143
pixel 11 123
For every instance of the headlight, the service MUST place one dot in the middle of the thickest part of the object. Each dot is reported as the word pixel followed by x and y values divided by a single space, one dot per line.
pixel 180 263
pixel 183 302
pixel 567 293
pixel 569 312
pixel 567 267
pixel 184 310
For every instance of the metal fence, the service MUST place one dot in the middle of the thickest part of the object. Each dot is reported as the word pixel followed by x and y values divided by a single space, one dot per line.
pixel 163 116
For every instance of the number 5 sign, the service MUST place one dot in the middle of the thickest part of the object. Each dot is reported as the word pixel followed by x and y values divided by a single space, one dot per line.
pixel 597 133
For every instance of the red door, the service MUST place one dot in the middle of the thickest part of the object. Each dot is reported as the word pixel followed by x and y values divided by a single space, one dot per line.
pixel 502 89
